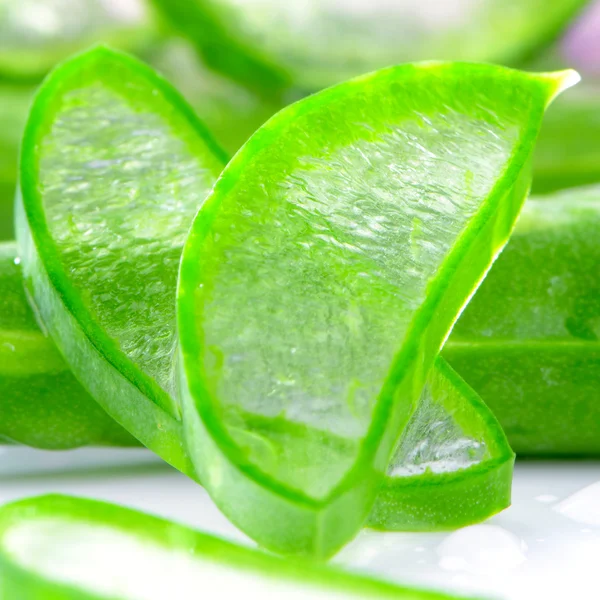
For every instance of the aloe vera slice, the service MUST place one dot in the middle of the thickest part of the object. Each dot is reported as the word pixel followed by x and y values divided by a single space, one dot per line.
pixel 454 479
pixel 35 35
pixel 528 341
pixel 101 259
pixel 101 313
pixel 314 44
pixel 41 403
pixel 49 548
pixel 568 151
pixel 452 466
pixel 325 270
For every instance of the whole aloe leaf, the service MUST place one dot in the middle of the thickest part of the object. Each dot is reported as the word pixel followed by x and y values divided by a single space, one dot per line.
pixel 528 341
pixel 273 44
pixel 120 231
pixel 49 548
pixel 323 274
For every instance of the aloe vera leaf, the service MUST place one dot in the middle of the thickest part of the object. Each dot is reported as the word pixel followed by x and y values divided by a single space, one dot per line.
pixel 35 36
pixel 311 44
pixel 325 270
pixel 41 403
pixel 528 341
pixel 103 216
pixel 49 550
pixel 568 150
pixel 452 466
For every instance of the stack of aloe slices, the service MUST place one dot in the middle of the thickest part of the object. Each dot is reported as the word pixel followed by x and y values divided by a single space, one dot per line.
pixel 291 442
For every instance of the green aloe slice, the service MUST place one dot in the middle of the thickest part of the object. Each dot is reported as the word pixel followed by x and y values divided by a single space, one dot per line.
pixel 452 466
pixel 435 481
pixel 35 35
pixel 568 151
pixel 114 166
pixel 323 274
pixel 49 548
pixel 314 44
pixel 99 318
pixel 529 340
pixel 41 403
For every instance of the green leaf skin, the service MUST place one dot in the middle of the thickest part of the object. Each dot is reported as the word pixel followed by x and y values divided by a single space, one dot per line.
pixel 100 260
pixel 528 341
pixel 28 48
pixel 452 466
pixel 568 150
pixel 41 403
pixel 310 45
pixel 324 272
pixel 49 550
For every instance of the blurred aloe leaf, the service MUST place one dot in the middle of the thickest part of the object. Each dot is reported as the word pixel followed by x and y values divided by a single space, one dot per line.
pixel 310 44
pixel 36 34
pixel 568 149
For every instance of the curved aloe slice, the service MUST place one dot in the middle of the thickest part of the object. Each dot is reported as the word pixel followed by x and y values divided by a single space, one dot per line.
pixel 528 341
pixel 568 151
pixel 101 258
pixel 314 44
pixel 457 478
pixel 452 466
pixel 41 403
pixel 77 549
pixel 323 274
pixel 101 313
pixel 35 36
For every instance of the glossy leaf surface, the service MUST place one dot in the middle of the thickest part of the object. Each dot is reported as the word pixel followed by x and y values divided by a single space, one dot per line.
pixel 41 402
pixel 528 341
pixel 325 270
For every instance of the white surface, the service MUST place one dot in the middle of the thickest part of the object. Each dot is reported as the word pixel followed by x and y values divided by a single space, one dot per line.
pixel 545 546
